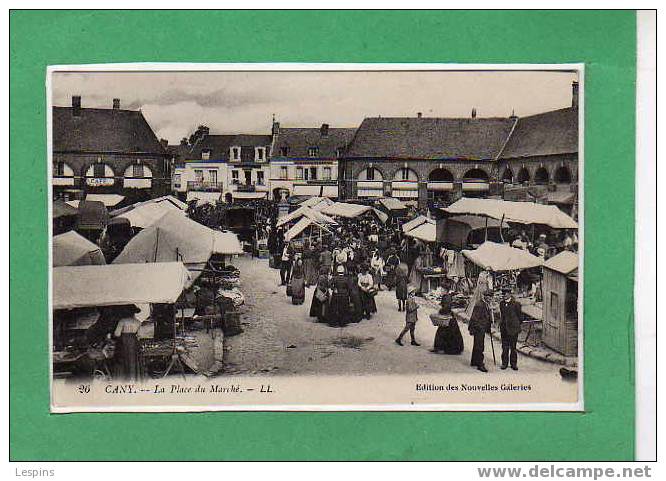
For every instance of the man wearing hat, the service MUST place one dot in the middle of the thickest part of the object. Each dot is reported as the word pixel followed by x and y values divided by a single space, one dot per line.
pixel 479 325
pixel 510 323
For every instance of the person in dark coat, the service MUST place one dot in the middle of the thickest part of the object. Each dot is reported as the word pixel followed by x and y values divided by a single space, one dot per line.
pixel 356 312
pixel 510 324
pixel 479 325
pixel 448 338
pixel 320 296
pixel 401 278
pixel 326 258
pixel 338 308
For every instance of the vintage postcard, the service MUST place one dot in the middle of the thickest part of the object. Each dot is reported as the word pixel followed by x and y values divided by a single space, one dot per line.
pixel 316 237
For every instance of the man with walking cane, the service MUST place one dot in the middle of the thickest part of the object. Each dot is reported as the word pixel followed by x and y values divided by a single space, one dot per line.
pixel 479 324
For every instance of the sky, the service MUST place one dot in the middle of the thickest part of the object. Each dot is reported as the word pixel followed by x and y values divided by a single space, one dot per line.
pixel 175 103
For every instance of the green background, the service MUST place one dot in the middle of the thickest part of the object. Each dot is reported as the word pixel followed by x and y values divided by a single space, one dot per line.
pixel 605 41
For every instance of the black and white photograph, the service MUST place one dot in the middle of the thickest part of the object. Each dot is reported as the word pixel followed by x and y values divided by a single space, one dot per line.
pixel 315 237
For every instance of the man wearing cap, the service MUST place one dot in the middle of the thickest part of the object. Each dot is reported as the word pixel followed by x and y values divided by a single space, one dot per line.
pixel 510 323
pixel 411 316
pixel 479 325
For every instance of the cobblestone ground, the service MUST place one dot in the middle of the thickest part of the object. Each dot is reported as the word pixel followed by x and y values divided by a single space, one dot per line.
pixel 281 339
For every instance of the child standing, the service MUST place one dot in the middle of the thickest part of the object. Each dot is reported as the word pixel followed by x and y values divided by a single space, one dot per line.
pixel 411 316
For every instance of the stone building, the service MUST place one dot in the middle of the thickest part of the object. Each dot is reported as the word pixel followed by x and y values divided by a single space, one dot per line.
pixel 304 161
pixel 106 151
pixel 425 159
pixel 236 166
pixel 435 161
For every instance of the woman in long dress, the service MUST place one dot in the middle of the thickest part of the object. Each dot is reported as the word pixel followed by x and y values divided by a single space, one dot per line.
pixel 320 296
pixel 391 264
pixel 355 298
pixel 309 265
pixel 338 309
pixel 127 351
pixel 448 339
pixel 298 283
pixel 416 275
pixel 377 267
pixel 367 288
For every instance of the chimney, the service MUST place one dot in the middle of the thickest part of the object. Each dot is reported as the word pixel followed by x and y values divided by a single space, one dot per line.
pixel 419 115
pixel 474 112
pixel 164 142
pixel 76 105
pixel 116 104
pixel 574 94
pixel 323 130
pixel 275 129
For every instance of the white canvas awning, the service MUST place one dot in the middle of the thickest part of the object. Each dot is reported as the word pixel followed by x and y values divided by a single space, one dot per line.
pixel 566 262
pixel 343 209
pixel 203 197
pixel 440 186
pixel 501 257
pixel 426 232
pixel 175 237
pixel 166 198
pixel 520 212
pixel 392 203
pixel 72 249
pixel 414 223
pixel 109 200
pixel 305 212
pixel 114 285
pixel 226 243
pixel 249 195
pixel 147 214
pixel 314 190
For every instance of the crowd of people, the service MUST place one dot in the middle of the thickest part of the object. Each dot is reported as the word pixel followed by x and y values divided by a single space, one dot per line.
pixel 354 260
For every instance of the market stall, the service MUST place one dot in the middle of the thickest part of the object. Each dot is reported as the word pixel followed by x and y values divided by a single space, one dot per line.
pixel 560 303
pixel 83 340
pixel 72 249
pixel 518 212
pixel 64 216
pixel 174 237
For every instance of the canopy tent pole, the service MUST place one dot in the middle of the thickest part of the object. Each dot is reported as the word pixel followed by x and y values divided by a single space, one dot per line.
pixel 500 227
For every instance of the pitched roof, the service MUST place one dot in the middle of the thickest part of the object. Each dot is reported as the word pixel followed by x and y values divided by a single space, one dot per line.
pixel 549 133
pixel 219 145
pixel 298 140
pixel 103 130
pixel 250 140
pixel 179 152
pixel 430 138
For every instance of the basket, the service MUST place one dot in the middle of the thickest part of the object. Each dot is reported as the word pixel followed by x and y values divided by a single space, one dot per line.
pixel 440 320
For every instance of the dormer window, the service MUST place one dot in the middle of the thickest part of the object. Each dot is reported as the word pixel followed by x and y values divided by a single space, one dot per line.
pixel 284 151
pixel 205 154
pixel 235 153
pixel 338 152
pixel 313 151
pixel 260 154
